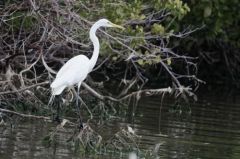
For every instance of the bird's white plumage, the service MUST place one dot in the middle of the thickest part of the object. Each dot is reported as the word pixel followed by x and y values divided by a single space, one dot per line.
pixel 78 67
pixel 73 72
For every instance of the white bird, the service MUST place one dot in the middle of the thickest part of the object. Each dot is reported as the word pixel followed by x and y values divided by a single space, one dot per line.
pixel 132 155
pixel 77 68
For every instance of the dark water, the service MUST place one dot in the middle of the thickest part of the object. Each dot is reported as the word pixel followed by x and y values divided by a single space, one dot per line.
pixel 209 128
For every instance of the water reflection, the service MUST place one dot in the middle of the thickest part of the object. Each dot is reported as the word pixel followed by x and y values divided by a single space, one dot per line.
pixel 210 130
pixel 206 129
pixel 25 141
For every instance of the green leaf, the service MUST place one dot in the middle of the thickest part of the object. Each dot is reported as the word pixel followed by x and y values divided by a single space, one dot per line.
pixel 140 62
pixel 207 11
pixel 169 61
pixel 158 59
pixel 158 29
pixel 114 58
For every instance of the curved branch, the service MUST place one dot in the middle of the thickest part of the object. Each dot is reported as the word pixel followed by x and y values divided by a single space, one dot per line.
pixel 23 89
pixel 96 94
pixel 24 115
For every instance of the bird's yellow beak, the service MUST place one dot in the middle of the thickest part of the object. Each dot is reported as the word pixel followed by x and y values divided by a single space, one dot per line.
pixel 117 26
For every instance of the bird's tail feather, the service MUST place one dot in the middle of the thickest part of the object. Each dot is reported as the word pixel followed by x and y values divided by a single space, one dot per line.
pixel 57 90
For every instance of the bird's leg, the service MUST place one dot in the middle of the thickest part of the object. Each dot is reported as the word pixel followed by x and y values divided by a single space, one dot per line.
pixel 78 108
pixel 57 116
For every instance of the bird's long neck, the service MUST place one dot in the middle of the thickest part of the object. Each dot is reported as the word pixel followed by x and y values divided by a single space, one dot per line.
pixel 96 47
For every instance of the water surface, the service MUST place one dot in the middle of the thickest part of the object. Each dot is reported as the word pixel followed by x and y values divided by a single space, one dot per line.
pixel 209 128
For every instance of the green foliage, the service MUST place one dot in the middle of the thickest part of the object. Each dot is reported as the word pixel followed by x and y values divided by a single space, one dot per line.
pixel 220 17
pixel 21 20
pixel 177 7
pixel 137 32
pixel 123 11
pixel 158 29
pixel 119 10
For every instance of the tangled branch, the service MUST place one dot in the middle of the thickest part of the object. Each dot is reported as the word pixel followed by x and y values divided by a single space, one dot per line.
pixel 37 38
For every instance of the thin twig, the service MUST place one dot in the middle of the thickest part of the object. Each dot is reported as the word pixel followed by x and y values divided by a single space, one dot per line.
pixel 23 89
pixel 24 115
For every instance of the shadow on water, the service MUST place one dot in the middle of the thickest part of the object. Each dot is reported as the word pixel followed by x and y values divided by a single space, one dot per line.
pixel 209 128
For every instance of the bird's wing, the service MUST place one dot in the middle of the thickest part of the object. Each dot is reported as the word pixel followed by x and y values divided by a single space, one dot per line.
pixel 74 71
pixel 63 69
pixel 72 64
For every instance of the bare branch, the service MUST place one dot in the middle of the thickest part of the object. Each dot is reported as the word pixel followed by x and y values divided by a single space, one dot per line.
pixel 24 115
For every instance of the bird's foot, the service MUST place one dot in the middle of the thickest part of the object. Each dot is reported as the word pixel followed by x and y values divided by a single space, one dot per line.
pixel 57 119
pixel 80 126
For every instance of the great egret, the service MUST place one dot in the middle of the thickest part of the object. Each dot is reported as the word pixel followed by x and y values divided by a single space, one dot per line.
pixel 77 68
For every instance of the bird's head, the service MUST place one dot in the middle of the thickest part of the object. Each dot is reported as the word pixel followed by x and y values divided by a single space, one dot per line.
pixel 107 23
